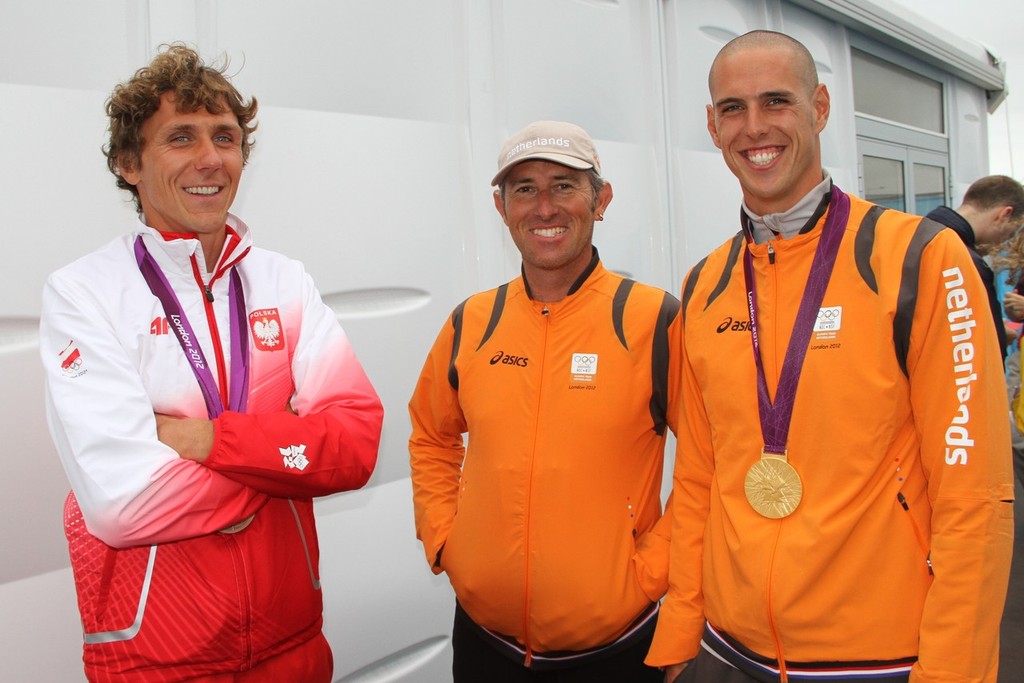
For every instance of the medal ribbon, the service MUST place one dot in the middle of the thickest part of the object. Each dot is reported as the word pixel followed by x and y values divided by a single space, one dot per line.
pixel 239 374
pixel 776 416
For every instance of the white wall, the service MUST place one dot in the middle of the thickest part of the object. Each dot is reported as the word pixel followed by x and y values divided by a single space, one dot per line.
pixel 380 122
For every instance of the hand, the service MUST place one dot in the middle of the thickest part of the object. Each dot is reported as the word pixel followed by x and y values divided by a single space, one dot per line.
pixel 191 437
pixel 672 672
pixel 1013 304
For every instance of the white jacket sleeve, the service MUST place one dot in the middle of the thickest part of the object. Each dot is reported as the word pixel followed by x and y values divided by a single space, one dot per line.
pixel 131 488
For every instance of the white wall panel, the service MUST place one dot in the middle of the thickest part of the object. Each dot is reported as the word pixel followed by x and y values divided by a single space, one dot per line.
pixel 829 45
pixel 74 45
pixel 387 58
pixel 598 64
pixel 703 193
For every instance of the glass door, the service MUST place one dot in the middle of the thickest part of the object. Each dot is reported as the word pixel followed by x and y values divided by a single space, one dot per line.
pixel 901 177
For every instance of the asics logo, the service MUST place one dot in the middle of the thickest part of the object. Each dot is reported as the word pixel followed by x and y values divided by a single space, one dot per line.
pixel 734 325
pixel 506 359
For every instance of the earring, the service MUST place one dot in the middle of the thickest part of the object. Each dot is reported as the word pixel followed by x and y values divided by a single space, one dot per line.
pixel 599 217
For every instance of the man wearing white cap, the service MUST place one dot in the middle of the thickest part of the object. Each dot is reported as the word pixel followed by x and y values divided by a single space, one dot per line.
pixel 548 522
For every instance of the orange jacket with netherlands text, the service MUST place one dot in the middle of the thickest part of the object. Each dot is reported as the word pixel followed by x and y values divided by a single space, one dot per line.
pixel 900 547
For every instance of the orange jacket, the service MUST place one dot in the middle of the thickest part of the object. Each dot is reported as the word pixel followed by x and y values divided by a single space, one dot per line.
pixel 546 526
pixel 899 433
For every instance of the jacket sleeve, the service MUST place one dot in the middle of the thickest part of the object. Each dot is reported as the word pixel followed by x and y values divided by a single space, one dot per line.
pixel 330 442
pixel 436 448
pixel 958 396
pixel 131 488
pixel 652 550
pixel 681 621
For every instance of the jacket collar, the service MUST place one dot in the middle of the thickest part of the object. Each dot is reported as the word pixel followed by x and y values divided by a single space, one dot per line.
pixel 176 251
pixel 595 261
pixel 958 223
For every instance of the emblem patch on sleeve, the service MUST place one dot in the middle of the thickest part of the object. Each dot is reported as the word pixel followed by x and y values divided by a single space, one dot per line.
pixel 71 362
pixel 267 332
pixel 295 457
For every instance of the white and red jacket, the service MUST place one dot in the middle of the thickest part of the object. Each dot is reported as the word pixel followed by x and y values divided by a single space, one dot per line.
pixel 164 595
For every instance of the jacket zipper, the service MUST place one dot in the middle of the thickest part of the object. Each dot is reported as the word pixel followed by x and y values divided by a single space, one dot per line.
pixel 244 601
pixel 781 656
pixel 546 315
pixel 227 262
pixel 211 322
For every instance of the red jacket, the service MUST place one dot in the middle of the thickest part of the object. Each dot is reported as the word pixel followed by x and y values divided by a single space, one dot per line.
pixel 164 594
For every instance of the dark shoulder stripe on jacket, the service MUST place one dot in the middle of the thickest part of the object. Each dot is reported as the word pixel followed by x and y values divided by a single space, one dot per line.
pixel 864 244
pixel 496 311
pixel 906 300
pixel 730 263
pixel 691 283
pixel 453 374
pixel 659 362
pixel 619 307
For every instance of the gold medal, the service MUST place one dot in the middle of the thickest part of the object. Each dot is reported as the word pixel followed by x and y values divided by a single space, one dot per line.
pixel 773 487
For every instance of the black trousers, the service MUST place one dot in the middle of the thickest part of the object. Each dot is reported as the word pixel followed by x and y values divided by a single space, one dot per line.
pixel 478 661
pixel 707 668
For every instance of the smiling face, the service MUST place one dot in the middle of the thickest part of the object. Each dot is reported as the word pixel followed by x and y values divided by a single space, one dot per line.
pixel 188 171
pixel 550 211
pixel 765 116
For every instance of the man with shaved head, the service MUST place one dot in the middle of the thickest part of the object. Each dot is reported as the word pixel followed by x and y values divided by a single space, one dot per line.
pixel 842 488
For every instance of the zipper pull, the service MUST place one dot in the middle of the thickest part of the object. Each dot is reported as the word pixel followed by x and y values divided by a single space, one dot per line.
pixel 928 559
pixel 544 311
pixel 771 254
pixel 209 294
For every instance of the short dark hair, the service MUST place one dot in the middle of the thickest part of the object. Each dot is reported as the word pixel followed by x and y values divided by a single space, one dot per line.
pixel 596 183
pixel 996 190
pixel 803 60
pixel 177 69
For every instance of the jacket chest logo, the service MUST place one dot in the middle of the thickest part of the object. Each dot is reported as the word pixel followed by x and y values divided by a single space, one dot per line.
pixel 583 367
pixel 509 359
pixel 828 322
pixel 267 332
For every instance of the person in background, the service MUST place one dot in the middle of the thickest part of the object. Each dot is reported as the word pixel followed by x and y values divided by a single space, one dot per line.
pixel 199 394
pixel 1008 264
pixel 991 212
pixel 549 523
pixel 842 501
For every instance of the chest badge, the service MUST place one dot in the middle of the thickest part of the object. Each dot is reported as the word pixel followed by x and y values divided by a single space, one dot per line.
pixel 828 323
pixel 267 332
pixel 583 367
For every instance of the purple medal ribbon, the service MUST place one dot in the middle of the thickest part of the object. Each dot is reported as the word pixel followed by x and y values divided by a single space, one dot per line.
pixel 776 416
pixel 177 321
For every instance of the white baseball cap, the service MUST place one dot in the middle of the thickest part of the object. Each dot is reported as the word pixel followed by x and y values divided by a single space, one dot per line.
pixel 557 141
